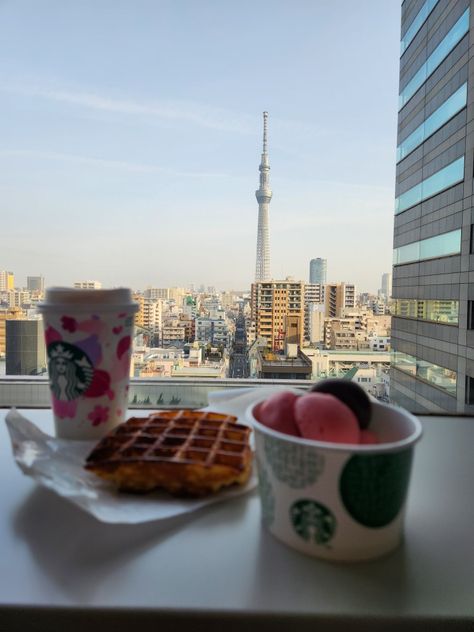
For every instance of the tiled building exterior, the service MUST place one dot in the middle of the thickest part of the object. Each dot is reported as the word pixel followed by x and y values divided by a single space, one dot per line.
pixel 433 273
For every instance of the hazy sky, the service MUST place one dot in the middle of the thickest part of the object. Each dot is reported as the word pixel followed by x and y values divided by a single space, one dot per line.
pixel 131 138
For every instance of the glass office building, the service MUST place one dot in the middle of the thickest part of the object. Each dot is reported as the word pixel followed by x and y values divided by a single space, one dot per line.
pixel 433 258
pixel 317 271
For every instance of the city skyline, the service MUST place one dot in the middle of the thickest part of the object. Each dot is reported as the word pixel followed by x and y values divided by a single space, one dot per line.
pixel 142 146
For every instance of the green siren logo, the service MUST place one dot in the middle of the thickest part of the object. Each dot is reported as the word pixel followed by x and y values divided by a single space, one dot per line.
pixel 312 521
pixel 70 371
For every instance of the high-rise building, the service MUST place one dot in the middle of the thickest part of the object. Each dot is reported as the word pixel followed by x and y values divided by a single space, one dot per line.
pixel 7 281
pixel 264 196
pixel 25 347
pixel 318 270
pixel 386 288
pixel 278 310
pixel 433 323
pixel 35 283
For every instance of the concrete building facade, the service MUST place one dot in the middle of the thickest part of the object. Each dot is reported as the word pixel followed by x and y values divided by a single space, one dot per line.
pixel 275 305
pixel 433 289
pixel 338 297
pixel 7 281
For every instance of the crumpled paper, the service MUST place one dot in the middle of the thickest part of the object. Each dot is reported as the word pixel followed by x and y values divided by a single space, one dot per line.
pixel 58 465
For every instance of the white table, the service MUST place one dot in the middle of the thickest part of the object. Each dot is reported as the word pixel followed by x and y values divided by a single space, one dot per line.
pixel 219 570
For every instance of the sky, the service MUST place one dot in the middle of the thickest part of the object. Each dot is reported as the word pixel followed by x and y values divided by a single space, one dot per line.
pixel 131 134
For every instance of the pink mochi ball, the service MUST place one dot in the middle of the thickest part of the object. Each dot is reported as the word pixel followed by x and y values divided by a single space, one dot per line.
pixel 323 417
pixel 276 412
pixel 368 437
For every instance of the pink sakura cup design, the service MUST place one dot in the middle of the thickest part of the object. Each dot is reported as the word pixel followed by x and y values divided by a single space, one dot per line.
pixel 88 335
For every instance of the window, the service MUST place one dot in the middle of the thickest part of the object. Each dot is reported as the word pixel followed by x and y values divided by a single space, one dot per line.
pixel 469 390
pixel 470 314
pixel 440 246
pixel 417 23
pixel 439 376
pixel 442 179
pixel 444 312
pixel 443 49
pixel 454 104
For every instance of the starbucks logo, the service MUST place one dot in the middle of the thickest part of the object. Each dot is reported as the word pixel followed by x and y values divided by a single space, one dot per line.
pixel 312 521
pixel 70 370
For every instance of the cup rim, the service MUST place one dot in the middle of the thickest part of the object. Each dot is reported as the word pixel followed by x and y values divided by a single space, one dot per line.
pixel 79 299
pixel 379 448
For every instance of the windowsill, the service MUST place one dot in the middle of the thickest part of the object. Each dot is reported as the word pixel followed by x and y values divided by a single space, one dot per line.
pixel 221 568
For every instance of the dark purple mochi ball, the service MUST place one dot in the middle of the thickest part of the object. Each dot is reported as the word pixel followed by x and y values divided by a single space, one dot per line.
pixel 351 394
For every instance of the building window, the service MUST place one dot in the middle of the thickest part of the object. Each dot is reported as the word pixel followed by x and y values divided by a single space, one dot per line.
pixel 443 49
pixel 454 104
pixel 436 311
pixel 442 245
pixel 439 376
pixel 470 314
pixel 416 25
pixel 439 181
pixel 469 390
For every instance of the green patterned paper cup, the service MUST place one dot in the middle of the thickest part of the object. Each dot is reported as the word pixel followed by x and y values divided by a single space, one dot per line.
pixel 337 501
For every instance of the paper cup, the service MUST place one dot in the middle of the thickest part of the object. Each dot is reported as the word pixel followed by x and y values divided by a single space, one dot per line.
pixel 88 336
pixel 336 501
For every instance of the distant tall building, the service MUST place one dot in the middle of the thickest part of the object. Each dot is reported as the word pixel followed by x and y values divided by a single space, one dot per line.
pixel 278 310
pixel 25 347
pixel 432 367
pixel 387 284
pixel 318 270
pixel 264 196
pixel 35 283
pixel 7 281
pixel 88 285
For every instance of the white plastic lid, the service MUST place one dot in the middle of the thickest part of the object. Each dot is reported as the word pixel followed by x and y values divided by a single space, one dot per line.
pixel 82 298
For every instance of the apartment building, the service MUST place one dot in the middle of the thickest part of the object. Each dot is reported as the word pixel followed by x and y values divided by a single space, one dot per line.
pixel 313 301
pixel 277 310
pixel 433 325
pixel 7 281
pixel 338 297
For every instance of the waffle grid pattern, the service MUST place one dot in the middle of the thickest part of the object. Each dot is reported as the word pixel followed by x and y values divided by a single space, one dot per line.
pixel 185 437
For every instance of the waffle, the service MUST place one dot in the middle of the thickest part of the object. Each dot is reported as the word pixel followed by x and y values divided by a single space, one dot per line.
pixel 186 452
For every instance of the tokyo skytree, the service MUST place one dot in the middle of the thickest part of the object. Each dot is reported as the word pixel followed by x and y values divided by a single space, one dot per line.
pixel 264 196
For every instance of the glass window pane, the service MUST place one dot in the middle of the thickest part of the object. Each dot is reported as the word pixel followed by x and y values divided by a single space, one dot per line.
pixel 416 24
pixel 409 198
pixel 443 49
pixel 446 312
pixel 446 111
pixel 442 179
pixel 441 245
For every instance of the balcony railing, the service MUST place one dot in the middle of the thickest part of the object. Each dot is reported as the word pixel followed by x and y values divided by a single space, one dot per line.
pixel 33 392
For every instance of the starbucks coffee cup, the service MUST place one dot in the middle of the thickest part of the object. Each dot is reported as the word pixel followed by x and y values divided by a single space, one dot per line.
pixel 337 501
pixel 88 335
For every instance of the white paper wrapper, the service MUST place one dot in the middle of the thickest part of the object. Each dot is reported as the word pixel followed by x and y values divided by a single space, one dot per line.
pixel 58 464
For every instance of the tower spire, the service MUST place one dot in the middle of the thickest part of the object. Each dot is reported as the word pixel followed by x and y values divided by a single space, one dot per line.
pixel 264 196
